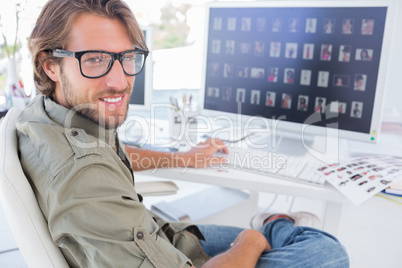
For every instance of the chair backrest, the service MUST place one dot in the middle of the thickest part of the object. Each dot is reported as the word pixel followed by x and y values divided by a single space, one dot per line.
pixel 24 216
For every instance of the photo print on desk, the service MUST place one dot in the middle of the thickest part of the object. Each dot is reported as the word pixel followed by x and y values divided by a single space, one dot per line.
pixel 363 177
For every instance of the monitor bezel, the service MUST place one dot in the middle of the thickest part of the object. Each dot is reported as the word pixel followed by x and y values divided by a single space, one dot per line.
pixel 148 78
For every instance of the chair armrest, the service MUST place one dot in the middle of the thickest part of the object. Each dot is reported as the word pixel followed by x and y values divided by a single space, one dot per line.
pixel 155 188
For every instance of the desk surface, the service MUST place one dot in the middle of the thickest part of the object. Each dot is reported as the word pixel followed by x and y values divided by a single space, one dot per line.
pixel 239 179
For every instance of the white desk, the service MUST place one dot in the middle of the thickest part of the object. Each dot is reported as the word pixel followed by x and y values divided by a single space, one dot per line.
pixel 334 201
pixel 258 183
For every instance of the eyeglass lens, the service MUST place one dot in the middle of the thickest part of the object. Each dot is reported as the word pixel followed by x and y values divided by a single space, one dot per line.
pixel 94 64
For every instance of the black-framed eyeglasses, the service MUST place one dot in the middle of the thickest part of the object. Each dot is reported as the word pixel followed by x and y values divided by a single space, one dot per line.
pixel 97 63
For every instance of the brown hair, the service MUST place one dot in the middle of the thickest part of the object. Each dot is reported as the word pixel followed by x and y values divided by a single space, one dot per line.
pixel 52 30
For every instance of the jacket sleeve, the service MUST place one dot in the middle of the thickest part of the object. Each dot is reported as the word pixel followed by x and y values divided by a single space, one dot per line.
pixel 97 220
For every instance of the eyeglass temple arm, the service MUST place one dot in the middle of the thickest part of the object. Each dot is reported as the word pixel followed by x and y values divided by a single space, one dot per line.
pixel 62 53
pixel 142 50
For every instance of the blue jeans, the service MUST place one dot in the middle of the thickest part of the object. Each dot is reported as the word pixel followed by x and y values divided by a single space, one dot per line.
pixel 292 246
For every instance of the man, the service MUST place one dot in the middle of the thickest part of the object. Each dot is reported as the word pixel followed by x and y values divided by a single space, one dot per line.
pixel 86 54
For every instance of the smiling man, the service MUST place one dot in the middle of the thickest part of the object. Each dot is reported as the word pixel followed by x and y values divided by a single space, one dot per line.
pixel 86 54
pixel 108 92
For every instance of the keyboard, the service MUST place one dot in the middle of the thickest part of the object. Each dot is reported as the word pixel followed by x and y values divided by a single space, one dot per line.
pixel 301 169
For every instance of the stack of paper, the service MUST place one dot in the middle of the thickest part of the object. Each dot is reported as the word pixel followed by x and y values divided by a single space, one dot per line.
pixel 395 189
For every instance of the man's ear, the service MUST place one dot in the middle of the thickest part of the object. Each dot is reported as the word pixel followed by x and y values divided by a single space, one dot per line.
pixel 51 68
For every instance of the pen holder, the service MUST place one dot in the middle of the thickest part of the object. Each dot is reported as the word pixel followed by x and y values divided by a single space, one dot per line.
pixel 180 120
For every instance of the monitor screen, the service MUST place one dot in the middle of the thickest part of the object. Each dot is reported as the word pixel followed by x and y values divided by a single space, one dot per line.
pixel 142 89
pixel 294 59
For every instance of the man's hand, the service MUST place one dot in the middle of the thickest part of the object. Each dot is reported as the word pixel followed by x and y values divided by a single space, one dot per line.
pixel 253 239
pixel 202 155
pixel 244 252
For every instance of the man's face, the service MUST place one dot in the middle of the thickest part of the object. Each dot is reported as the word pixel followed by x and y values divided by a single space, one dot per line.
pixel 103 100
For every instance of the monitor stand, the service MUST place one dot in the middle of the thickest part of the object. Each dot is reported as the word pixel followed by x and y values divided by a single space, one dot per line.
pixel 257 133
pixel 328 149
pixel 287 143
pixel 323 144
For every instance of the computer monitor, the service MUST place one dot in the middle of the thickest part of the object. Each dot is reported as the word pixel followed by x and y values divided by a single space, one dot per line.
pixel 142 89
pixel 320 63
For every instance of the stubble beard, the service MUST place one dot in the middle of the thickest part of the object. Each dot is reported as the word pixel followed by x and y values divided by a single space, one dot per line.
pixel 89 109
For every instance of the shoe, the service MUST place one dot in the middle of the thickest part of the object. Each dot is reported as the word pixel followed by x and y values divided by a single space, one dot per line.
pixel 299 218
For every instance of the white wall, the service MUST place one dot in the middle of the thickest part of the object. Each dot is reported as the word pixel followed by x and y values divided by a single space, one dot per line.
pixel 394 92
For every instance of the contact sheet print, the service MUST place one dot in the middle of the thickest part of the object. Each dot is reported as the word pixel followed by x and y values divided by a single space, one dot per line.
pixel 361 178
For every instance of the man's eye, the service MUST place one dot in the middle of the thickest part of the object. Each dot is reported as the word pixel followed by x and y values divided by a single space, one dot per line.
pixel 128 58
pixel 95 60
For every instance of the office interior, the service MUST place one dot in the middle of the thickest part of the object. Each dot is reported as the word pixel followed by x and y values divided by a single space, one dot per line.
pixel 370 231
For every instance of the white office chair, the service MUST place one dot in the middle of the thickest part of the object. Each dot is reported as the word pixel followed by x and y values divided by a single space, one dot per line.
pixel 24 216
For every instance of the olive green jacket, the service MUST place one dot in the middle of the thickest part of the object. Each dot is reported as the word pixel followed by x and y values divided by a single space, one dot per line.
pixel 87 195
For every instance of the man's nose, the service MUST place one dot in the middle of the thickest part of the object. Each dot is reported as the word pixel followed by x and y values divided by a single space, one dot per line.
pixel 116 78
